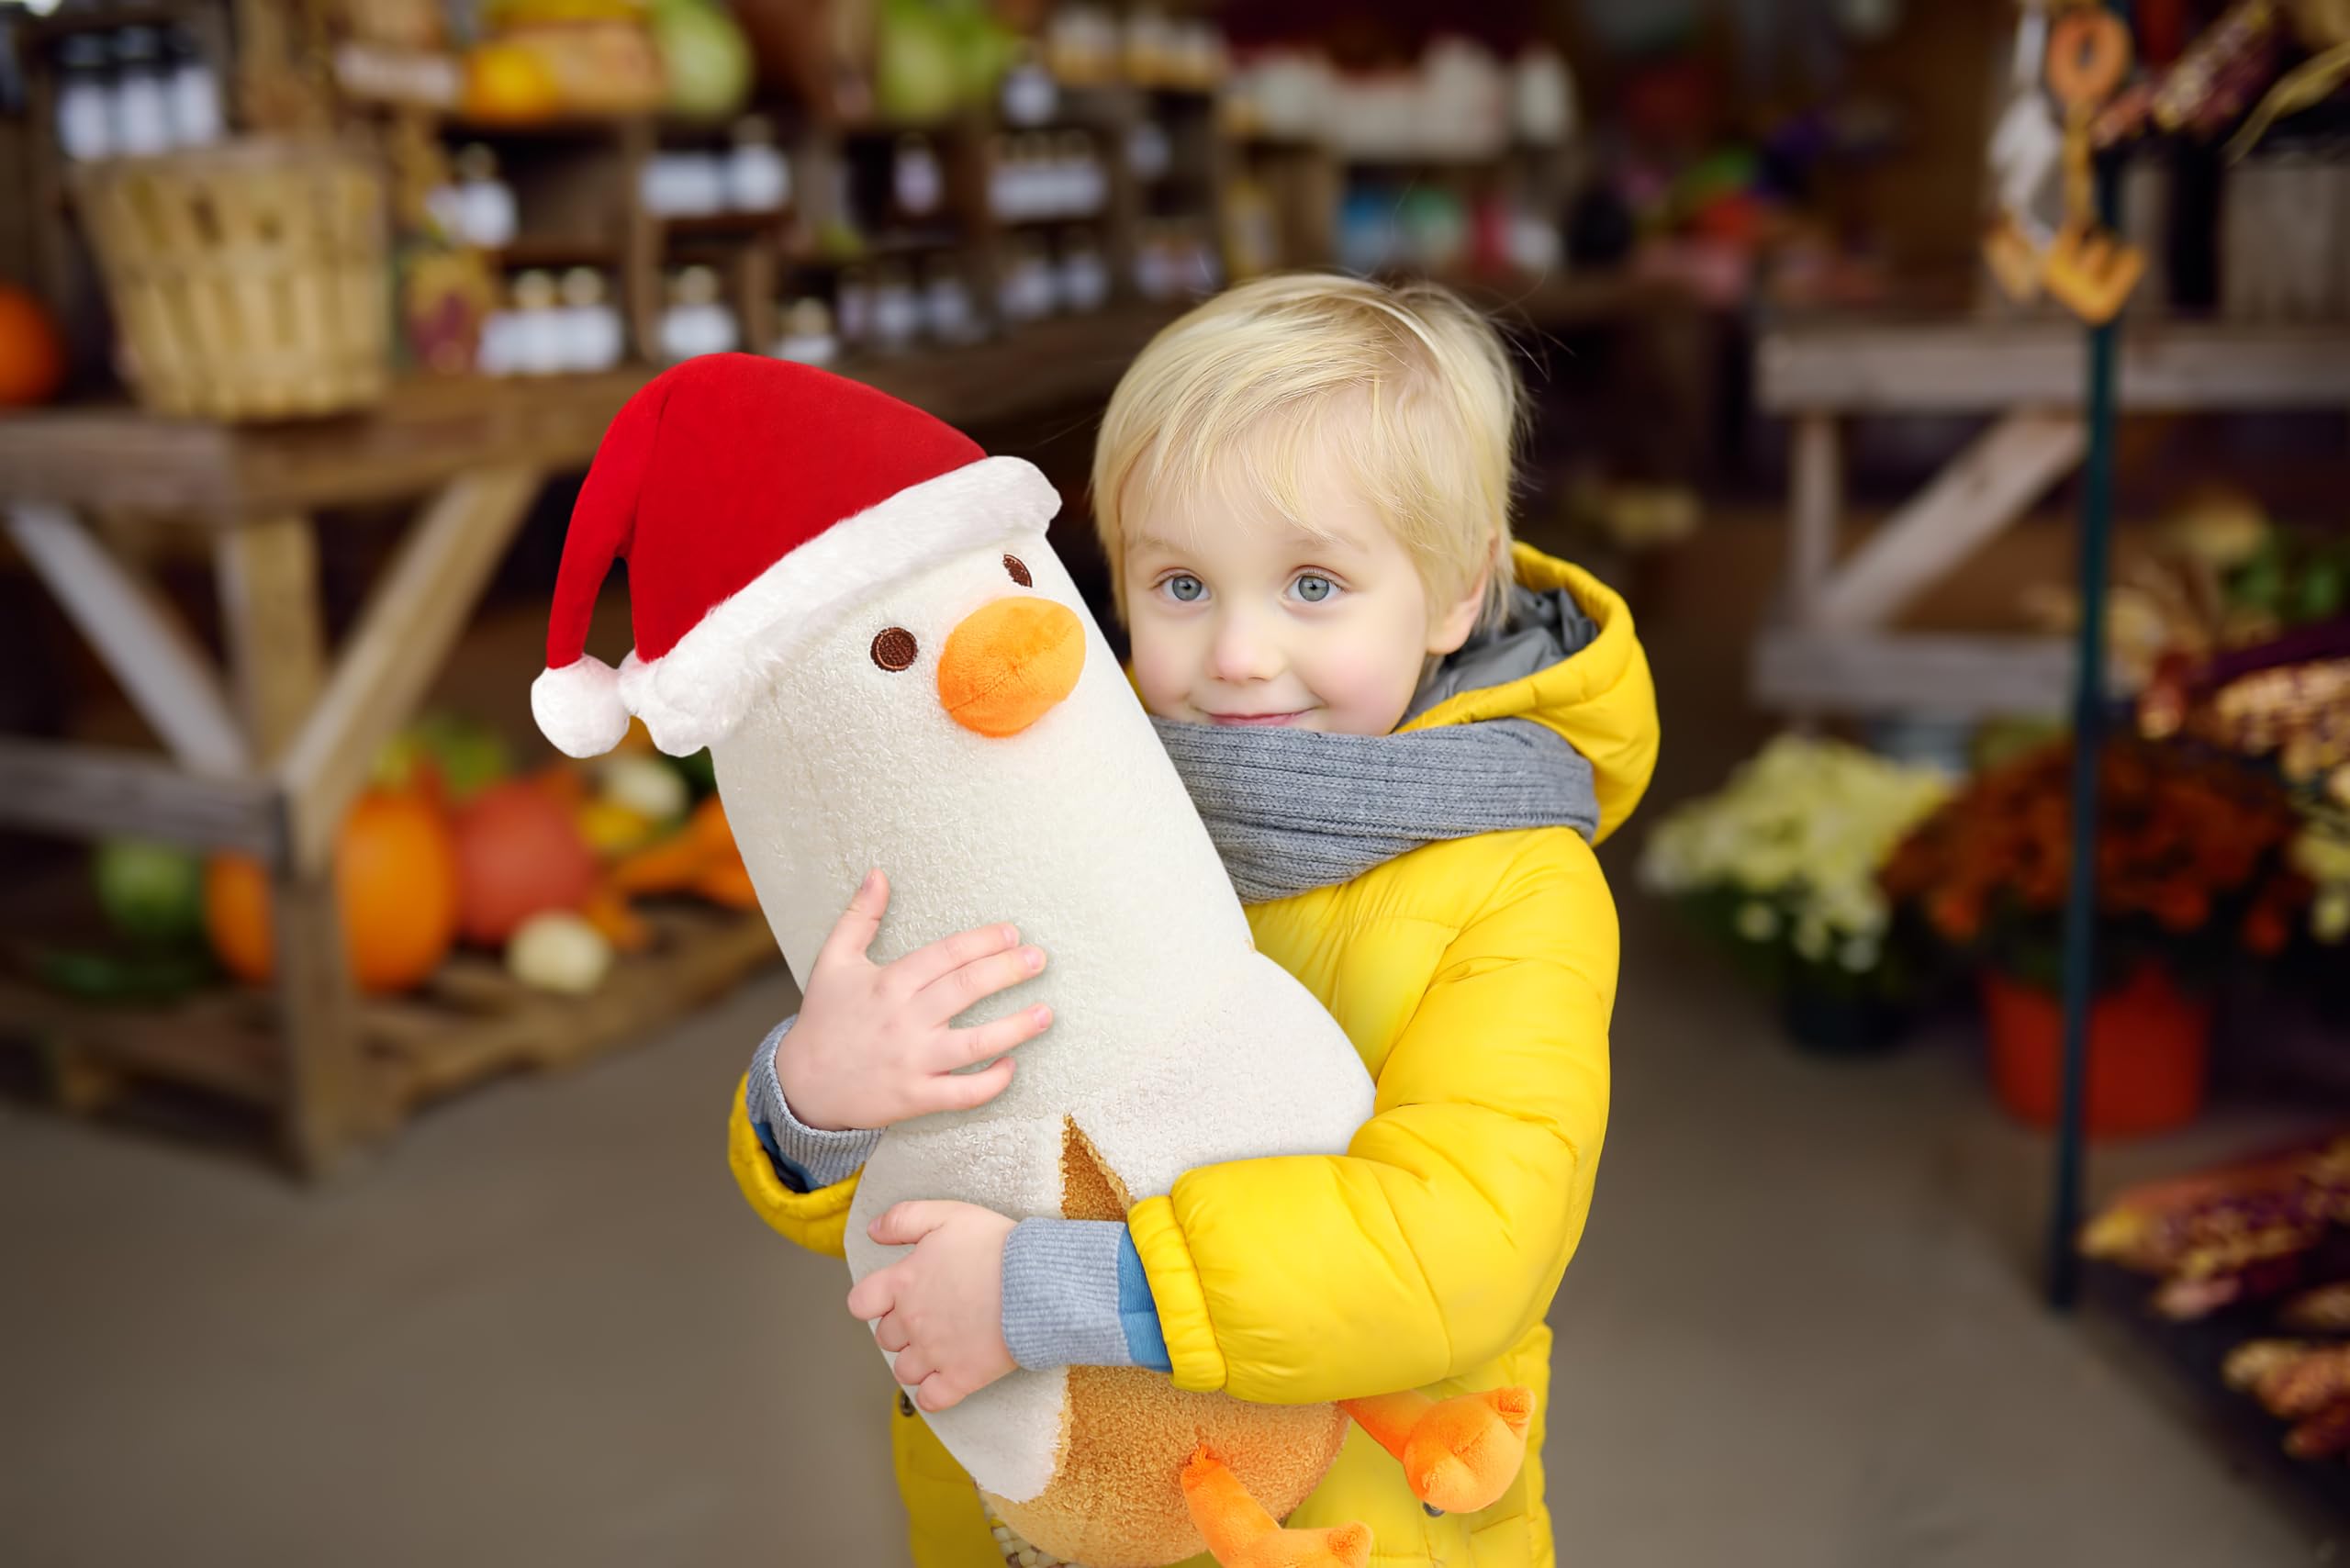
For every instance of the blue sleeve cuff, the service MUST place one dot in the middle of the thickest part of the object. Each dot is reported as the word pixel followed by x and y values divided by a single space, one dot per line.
pixel 1138 1311
pixel 805 1159
pixel 1075 1295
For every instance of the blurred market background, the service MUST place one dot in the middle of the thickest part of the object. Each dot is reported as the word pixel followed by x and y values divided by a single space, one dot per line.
pixel 362 1198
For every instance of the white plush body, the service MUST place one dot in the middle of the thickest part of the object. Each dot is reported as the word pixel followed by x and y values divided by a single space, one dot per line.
pixel 1175 1044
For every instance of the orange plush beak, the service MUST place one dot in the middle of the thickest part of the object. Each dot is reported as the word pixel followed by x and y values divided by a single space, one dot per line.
pixel 1009 663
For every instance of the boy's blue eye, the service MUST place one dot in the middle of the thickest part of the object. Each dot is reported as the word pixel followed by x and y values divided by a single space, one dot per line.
pixel 1314 589
pixel 1186 588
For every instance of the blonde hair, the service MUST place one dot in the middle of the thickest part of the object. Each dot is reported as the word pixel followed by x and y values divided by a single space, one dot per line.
pixel 1409 388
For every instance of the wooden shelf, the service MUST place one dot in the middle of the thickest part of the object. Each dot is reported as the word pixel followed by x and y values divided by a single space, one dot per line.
pixel 1962 364
pixel 557 250
pixel 725 225
pixel 428 431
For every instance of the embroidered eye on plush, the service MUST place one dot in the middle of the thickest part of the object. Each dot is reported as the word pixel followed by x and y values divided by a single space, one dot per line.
pixel 1019 570
pixel 894 649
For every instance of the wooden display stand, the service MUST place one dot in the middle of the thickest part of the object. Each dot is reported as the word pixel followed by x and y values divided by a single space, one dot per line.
pixel 1829 649
pixel 266 757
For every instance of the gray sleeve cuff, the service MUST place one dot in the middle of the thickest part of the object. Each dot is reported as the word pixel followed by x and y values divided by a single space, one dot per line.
pixel 821 1158
pixel 1060 1293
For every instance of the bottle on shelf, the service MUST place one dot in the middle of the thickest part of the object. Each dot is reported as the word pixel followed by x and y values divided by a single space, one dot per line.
pixel 539 339
pixel 1029 96
pixel 947 310
pixel 808 334
pixel 1081 45
pixel 1085 283
pixel 592 337
pixel 683 184
pixel 917 183
pixel 1149 154
pixel 1151 58
pixel 696 322
pixel 195 91
pixel 1028 290
pixel 1079 183
pixel 481 210
pixel 853 309
pixel 142 105
pixel 897 314
pixel 1004 179
pixel 85 97
pixel 758 176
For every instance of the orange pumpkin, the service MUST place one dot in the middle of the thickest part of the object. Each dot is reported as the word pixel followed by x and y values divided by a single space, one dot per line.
pixel 32 360
pixel 396 893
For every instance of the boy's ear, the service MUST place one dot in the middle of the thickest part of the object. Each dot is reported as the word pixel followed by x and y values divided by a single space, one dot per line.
pixel 1449 631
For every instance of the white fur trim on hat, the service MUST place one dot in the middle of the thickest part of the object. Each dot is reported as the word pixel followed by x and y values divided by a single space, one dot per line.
pixel 579 707
pixel 699 689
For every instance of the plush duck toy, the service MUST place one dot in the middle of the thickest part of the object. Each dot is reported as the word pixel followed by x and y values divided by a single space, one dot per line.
pixel 856 610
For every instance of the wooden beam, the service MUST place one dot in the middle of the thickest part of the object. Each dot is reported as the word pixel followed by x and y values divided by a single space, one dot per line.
pixel 167 675
pixel 206 1042
pixel 268 573
pixel 1817 505
pixel 1965 364
pixel 431 431
pixel 331 1101
pixel 1980 493
pixel 403 635
pixel 1869 673
pixel 90 793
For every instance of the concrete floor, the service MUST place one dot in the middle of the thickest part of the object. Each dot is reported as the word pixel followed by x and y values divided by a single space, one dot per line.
pixel 544 1330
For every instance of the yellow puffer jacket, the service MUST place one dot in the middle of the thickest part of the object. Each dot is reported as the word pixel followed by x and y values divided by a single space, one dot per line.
pixel 1476 978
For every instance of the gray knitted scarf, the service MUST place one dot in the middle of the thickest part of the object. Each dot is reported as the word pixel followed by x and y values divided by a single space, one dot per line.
pixel 1290 810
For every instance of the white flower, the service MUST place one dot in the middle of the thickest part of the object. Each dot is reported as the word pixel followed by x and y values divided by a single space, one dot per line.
pixel 1758 922
pixel 1859 956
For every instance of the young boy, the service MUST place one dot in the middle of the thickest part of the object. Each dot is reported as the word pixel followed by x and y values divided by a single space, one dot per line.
pixel 1404 735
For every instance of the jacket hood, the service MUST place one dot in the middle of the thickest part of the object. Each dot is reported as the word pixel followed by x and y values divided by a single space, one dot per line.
pixel 1566 659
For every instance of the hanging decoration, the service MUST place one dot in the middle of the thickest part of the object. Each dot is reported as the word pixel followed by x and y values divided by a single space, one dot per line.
pixel 2085 266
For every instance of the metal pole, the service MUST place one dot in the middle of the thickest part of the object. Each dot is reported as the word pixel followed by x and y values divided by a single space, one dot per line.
pixel 2088 737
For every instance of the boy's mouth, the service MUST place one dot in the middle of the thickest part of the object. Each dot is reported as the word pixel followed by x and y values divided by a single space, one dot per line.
pixel 1255 718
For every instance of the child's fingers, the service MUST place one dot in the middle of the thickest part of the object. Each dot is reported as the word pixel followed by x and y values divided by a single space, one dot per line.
pixel 967 1091
pixel 965 1047
pixel 976 982
pixel 873 1296
pixel 902 1225
pixel 911 1367
pixel 925 965
pixel 890 1334
pixel 859 924
pixel 938 1392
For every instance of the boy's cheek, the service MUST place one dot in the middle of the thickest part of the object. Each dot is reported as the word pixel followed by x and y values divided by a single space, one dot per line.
pixel 1160 676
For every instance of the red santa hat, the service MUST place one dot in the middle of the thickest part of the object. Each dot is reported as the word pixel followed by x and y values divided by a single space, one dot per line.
pixel 755 501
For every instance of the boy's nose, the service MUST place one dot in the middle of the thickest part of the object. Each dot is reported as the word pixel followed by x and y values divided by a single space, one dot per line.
pixel 1239 654
pixel 1008 663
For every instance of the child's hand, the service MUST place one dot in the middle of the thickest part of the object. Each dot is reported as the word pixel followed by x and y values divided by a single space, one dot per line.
pixel 940 1308
pixel 871 1046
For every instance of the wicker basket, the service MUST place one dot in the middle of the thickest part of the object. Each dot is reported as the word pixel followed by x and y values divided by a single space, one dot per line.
pixel 249 279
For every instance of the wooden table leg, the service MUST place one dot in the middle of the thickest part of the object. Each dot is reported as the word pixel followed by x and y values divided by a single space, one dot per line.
pixel 270 613
pixel 332 1102
pixel 1817 505
pixel 268 573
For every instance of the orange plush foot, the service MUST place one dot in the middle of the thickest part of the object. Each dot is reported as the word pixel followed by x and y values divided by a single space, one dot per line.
pixel 1461 1455
pixel 1458 1455
pixel 1240 1534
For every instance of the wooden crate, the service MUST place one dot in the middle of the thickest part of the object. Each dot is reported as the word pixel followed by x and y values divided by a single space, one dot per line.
pixel 472 1022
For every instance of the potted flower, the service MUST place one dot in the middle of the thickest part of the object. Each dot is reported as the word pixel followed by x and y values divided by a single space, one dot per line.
pixel 1781 865
pixel 2193 879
